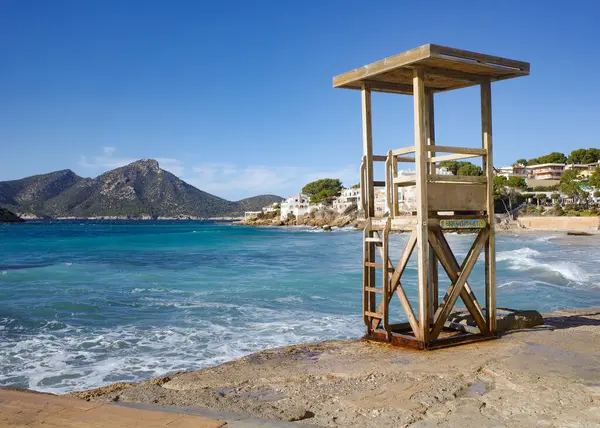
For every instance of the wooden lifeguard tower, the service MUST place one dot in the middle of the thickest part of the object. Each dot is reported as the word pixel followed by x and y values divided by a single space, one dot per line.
pixel 443 202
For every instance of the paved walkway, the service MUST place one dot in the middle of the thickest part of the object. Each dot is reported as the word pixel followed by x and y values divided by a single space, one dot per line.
pixel 27 409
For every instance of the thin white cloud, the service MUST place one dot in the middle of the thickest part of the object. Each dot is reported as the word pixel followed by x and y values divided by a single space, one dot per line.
pixel 230 181
pixel 237 182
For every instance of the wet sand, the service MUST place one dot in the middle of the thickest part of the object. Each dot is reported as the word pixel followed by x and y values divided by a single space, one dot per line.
pixel 537 377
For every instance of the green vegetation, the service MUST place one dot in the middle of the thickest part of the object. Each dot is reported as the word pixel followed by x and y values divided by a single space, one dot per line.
pixel 554 157
pixel 584 156
pixel 595 178
pixel 579 156
pixel 462 168
pixel 543 188
pixel 507 191
pixel 356 186
pixel 570 185
pixel 516 183
pixel 322 190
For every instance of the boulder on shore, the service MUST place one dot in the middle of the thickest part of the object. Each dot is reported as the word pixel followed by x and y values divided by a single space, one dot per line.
pixel 7 216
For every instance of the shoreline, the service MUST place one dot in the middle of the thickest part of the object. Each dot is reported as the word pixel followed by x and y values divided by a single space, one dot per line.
pixel 549 375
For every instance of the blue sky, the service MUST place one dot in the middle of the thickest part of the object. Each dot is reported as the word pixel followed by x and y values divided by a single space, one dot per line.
pixel 236 97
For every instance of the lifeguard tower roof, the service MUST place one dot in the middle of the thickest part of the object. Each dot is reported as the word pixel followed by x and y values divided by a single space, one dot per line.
pixel 445 69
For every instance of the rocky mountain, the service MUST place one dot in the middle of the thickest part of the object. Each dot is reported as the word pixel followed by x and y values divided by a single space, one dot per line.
pixel 140 189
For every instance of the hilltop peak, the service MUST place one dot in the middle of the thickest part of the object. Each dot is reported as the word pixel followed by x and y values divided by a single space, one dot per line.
pixel 151 164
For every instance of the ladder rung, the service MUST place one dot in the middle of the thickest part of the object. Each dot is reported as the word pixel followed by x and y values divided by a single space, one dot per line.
pixel 374 289
pixel 378 266
pixel 373 315
pixel 374 265
pixel 378 183
pixel 376 240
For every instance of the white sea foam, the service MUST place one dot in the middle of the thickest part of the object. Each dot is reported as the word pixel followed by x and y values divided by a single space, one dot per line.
pixel 527 259
pixel 289 299
pixel 74 359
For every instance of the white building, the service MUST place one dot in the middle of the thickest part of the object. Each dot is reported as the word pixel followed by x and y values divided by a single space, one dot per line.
pixel 297 205
pixel 251 214
pixel 547 171
pixel 271 208
pixel 347 198
pixel 516 170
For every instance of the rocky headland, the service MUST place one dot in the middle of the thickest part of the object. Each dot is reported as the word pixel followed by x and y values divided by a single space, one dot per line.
pixel 537 377
pixel 324 218
pixel 140 190
pixel 7 216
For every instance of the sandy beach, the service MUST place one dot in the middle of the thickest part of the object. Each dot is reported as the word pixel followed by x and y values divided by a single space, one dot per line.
pixel 538 377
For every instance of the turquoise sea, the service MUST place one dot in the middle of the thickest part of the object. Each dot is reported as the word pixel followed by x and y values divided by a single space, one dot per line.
pixel 83 304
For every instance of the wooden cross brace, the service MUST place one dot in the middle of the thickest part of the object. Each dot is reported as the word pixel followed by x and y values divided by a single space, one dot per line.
pixel 458 276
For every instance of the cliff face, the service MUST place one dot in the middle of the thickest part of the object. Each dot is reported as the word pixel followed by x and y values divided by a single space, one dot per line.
pixel 139 189
pixel 8 217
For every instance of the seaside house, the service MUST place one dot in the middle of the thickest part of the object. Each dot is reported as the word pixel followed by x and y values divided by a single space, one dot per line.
pixel 546 171
pixel 584 170
pixel 516 170
pixel 347 198
pixel 251 214
pixel 298 205
pixel 272 208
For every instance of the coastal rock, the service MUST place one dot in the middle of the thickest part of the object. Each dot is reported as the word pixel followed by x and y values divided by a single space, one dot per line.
pixel 8 217
pixel 526 379
pixel 507 319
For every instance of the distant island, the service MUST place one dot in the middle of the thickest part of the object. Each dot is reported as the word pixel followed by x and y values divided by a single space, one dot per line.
pixel 140 190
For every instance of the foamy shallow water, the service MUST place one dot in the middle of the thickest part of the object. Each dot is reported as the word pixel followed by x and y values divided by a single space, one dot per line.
pixel 86 304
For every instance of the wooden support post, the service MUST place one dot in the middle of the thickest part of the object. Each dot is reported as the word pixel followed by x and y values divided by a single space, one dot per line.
pixel 433 263
pixel 369 190
pixel 422 206
pixel 488 166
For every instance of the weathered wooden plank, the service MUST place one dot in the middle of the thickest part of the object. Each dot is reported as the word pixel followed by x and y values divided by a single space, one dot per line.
pixel 368 151
pixel 452 157
pixel 403 150
pixel 392 88
pixel 381 66
pixel 369 188
pixel 422 209
pixel 452 149
pixel 490 250
pixel 431 172
pixel 433 178
pixel 456 197
pixel 373 314
pixel 439 50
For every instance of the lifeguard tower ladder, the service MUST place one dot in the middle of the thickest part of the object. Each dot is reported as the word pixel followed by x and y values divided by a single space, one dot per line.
pixel 443 202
